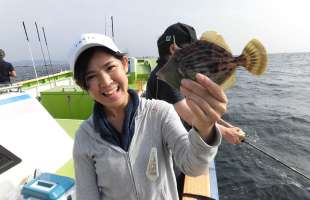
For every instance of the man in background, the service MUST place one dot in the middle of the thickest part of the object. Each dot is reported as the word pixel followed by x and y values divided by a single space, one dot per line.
pixel 175 37
pixel 6 70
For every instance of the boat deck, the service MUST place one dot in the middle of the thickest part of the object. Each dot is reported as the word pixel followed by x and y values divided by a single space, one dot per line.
pixel 70 126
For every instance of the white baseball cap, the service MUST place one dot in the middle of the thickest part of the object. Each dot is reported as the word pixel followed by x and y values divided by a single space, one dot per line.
pixel 88 40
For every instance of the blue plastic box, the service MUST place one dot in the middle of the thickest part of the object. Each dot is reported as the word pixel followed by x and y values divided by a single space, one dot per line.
pixel 48 187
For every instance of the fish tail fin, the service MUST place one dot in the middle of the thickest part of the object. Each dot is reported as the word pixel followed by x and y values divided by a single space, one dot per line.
pixel 254 57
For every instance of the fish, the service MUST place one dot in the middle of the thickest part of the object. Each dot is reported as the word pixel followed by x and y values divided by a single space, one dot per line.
pixel 211 56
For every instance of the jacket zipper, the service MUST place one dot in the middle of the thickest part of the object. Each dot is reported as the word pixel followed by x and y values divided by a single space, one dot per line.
pixel 134 118
pixel 131 174
pixel 129 162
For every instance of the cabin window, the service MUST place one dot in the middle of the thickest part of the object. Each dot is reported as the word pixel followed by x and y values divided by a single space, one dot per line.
pixel 7 159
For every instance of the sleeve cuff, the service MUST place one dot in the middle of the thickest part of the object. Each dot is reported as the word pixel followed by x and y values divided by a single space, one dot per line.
pixel 195 137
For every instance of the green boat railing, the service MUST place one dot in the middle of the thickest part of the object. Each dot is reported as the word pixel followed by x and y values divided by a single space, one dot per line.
pixel 44 80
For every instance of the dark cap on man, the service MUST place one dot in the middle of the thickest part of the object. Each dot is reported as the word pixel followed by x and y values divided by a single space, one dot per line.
pixel 179 33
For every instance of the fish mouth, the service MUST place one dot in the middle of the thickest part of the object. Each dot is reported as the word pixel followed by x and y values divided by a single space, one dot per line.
pixel 169 73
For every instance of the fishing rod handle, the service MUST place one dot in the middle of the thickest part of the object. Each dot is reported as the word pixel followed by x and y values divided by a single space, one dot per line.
pixel 25 31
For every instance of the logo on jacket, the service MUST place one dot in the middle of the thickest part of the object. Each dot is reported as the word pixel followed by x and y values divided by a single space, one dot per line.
pixel 152 166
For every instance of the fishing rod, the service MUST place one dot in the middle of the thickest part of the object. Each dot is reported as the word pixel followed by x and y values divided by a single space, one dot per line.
pixel 266 153
pixel 105 25
pixel 276 159
pixel 48 51
pixel 45 65
pixel 112 27
pixel 33 64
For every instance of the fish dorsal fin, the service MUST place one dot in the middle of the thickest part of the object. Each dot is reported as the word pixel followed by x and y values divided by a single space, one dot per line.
pixel 216 38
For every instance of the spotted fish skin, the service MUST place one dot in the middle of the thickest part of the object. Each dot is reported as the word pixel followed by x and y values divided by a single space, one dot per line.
pixel 211 60
pixel 206 58
pixel 200 57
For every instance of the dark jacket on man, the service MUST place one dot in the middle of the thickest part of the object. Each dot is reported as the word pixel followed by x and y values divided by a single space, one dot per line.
pixel 5 69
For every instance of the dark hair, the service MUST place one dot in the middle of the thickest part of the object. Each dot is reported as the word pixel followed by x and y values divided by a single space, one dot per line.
pixel 82 62
pixel 179 33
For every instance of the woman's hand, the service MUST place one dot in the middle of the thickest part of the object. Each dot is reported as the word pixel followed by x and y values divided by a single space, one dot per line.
pixel 206 100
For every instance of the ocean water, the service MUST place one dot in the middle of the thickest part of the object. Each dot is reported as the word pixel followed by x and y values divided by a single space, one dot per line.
pixel 27 72
pixel 274 110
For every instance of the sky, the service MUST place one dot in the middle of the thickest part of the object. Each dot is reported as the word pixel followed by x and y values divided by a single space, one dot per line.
pixel 281 25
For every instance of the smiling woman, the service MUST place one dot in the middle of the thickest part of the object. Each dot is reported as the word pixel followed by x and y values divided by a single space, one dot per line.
pixel 105 78
pixel 128 141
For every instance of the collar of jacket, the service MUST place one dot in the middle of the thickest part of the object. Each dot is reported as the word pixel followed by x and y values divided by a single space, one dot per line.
pixel 108 132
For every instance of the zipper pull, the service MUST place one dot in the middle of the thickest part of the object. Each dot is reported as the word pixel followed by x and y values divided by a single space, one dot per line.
pixel 152 167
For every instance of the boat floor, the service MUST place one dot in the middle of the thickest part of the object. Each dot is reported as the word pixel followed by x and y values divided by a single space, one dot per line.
pixel 70 126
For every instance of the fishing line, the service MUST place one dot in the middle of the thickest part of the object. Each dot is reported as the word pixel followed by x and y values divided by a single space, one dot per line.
pixel 276 159
pixel 221 121
pixel 45 65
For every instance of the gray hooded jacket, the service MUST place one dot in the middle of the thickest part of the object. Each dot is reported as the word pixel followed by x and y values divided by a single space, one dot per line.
pixel 104 171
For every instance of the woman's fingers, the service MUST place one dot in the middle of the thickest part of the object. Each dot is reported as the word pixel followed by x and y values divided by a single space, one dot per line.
pixel 212 87
pixel 190 88
pixel 199 113
pixel 206 100
pixel 204 85
pixel 207 104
